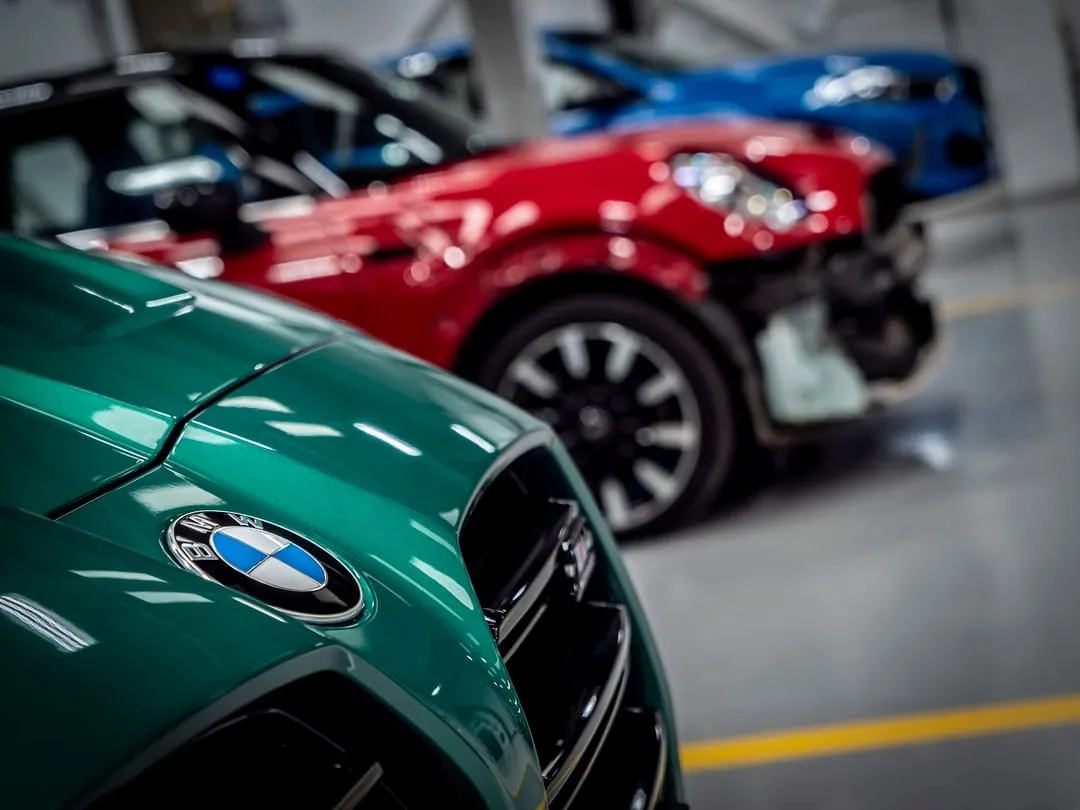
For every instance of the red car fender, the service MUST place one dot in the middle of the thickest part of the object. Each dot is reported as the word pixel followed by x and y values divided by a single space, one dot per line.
pixel 495 275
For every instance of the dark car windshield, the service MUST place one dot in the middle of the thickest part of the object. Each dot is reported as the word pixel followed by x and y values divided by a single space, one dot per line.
pixel 424 102
pixel 359 123
pixel 639 53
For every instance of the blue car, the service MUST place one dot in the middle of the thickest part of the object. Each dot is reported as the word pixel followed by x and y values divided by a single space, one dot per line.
pixel 927 108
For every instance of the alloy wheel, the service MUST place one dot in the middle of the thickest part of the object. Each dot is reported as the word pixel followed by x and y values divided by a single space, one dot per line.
pixel 623 407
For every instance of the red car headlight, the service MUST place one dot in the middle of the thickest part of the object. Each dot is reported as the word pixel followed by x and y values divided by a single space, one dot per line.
pixel 720 181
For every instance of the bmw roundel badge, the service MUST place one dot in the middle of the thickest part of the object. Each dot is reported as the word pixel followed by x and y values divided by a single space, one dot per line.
pixel 279 567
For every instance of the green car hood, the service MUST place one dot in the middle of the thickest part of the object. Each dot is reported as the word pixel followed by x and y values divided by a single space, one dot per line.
pixel 86 624
pixel 99 364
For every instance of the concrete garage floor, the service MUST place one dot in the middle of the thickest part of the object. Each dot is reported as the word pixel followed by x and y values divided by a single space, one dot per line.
pixel 927 562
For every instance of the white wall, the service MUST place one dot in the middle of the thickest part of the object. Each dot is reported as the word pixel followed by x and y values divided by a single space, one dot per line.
pixel 372 28
pixel 913 24
pixel 1032 105
pixel 39 36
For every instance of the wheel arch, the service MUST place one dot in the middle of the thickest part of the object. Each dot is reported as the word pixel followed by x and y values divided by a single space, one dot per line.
pixel 711 322
pixel 541 291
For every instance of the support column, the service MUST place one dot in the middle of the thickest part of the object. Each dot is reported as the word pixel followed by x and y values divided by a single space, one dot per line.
pixel 121 29
pixel 507 65
pixel 111 27
pixel 1021 50
pixel 761 28
pixel 631 17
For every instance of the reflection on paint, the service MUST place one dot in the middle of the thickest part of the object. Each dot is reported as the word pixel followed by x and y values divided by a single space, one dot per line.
pixel 41 621
pixel 121 575
pixel 136 426
pixel 168 497
pixel 387 438
pixel 168 597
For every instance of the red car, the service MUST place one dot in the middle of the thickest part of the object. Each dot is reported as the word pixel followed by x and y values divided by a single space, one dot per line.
pixel 664 298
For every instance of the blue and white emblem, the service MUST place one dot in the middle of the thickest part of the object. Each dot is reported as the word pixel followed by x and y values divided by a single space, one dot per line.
pixel 267 562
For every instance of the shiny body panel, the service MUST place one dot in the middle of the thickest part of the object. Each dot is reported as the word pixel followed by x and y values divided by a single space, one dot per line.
pixel 776 87
pixel 371 453
pixel 122 616
pixel 76 377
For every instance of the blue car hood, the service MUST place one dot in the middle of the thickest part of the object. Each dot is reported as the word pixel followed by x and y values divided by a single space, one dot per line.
pixel 811 66
pixel 751 80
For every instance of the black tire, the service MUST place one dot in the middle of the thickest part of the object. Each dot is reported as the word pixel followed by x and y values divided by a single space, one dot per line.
pixel 700 474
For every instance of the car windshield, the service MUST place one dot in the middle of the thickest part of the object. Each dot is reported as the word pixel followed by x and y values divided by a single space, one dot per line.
pixel 637 52
pixel 429 129
pixel 430 104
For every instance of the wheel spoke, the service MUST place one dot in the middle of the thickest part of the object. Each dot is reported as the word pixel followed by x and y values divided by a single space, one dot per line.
pixel 661 484
pixel 659 388
pixel 616 503
pixel 534 379
pixel 575 356
pixel 674 435
pixel 622 353
pixel 547 414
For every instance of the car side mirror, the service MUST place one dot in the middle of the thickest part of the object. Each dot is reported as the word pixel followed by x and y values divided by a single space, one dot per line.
pixel 191 197
pixel 196 207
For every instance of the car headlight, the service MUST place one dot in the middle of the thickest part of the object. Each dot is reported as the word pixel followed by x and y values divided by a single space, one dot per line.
pixel 719 181
pixel 869 83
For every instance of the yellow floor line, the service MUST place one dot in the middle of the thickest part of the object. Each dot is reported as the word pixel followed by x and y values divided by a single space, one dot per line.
pixel 1027 296
pixel 880 733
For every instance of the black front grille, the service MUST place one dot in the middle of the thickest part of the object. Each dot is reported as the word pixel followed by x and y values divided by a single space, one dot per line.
pixel 921 88
pixel 319 742
pixel 966 151
pixel 542 585
pixel 972 82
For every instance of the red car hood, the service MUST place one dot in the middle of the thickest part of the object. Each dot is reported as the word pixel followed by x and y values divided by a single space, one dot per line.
pixel 749 140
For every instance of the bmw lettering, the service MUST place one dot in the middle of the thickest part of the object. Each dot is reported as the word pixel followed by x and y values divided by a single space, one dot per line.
pixel 279 567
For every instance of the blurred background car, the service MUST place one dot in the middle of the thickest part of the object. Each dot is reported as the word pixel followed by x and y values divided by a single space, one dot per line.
pixel 666 300
pixel 231 527
pixel 928 108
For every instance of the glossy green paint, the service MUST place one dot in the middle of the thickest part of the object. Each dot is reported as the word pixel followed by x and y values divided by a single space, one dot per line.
pixel 267 409
pixel 148 641
pixel 354 445
pixel 98 363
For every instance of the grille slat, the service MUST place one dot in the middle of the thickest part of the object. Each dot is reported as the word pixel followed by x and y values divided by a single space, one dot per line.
pixel 549 570
pixel 629 774
pixel 531 556
pixel 327 743
pixel 569 686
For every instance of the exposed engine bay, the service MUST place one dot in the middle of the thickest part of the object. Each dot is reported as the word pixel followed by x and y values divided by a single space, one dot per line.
pixel 837 330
